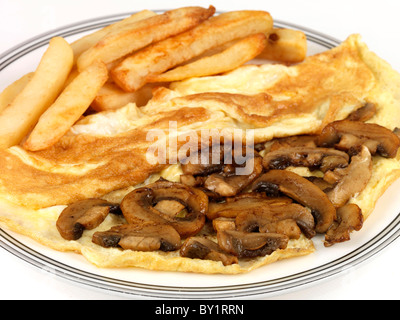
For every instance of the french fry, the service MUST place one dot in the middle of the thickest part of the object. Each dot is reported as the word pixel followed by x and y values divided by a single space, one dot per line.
pixel 133 72
pixel 10 93
pixel 285 45
pixel 239 53
pixel 111 97
pixel 81 45
pixel 72 75
pixel 142 33
pixel 21 116
pixel 68 108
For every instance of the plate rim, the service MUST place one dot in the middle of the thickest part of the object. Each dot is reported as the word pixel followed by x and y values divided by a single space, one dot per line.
pixel 269 287
pixel 94 23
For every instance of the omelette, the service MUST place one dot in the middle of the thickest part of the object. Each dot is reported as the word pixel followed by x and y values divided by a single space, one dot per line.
pixel 103 157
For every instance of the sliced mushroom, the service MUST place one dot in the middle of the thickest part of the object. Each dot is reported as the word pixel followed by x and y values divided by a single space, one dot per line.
pixel 332 177
pixel 250 245
pixel 144 237
pixel 324 158
pixel 164 202
pixel 349 135
pixel 332 162
pixel 364 113
pixel 277 219
pixel 171 208
pixel 396 131
pixel 324 185
pixel 204 162
pixel 349 219
pixel 222 224
pixel 205 249
pixel 303 141
pixel 212 196
pixel 232 207
pixel 253 196
pixel 192 180
pixel 247 212
pixel 82 215
pixel 221 173
pixel 358 174
pixel 229 185
pixel 288 227
pixel 303 191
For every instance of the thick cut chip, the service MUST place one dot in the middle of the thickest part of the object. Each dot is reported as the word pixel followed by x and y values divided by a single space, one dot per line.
pixel 285 45
pixel 132 73
pixel 11 92
pixel 142 33
pixel 111 97
pixel 85 43
pixel 229 59
pixel 68 108
pixel 23 113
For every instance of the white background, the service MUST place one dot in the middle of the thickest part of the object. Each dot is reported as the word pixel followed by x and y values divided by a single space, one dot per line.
pixel 376 21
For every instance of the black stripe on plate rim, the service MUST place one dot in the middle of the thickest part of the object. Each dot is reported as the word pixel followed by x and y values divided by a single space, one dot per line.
pixel 302 279
pixel 39 41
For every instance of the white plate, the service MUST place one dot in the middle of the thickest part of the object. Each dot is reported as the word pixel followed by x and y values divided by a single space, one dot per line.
pixel 381 228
